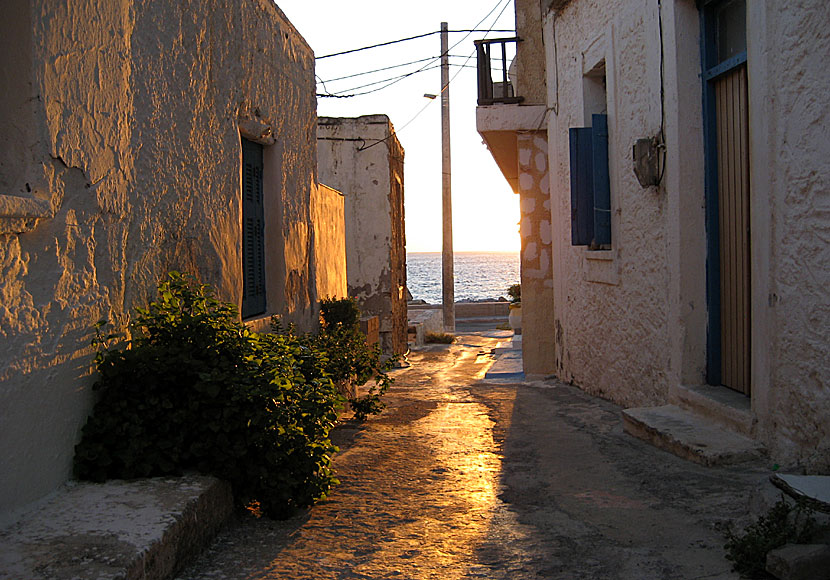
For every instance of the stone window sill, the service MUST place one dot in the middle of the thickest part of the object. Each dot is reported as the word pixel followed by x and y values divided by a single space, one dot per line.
pixel 601 266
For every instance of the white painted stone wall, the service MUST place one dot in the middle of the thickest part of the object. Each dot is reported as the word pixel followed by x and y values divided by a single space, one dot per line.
pixel 631 321
pixel 789 92
pixel 610 305
pixel 119 161
pixel 358 157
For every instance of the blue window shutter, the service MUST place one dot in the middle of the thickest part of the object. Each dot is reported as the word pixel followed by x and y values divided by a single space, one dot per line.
pixel 582 194
pixel 253 231
pixel 601 181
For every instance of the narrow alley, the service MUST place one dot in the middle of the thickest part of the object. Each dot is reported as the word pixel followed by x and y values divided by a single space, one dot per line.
pixel 458 478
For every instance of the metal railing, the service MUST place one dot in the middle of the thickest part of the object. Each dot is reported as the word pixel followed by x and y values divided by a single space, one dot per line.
pixel 494 62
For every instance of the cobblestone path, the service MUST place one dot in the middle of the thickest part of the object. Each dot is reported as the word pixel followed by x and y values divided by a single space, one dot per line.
pixel 457 480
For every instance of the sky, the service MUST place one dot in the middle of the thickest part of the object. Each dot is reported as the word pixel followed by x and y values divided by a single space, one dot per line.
pixel 485 210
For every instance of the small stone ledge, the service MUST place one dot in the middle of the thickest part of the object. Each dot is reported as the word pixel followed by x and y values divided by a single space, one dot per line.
pixel 21 214
pixel 143 529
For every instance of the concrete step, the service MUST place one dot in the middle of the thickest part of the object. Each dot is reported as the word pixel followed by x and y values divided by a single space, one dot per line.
pixel 143 529
pixel 690 436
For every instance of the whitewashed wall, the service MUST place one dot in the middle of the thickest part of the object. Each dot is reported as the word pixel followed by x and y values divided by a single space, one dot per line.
pixel 130 113
pixel 789 92
pixel 610 305
pixel 631 322
pixel 362 158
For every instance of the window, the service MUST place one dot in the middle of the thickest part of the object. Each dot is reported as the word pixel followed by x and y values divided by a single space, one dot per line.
pixel 590 185
pixel 253 231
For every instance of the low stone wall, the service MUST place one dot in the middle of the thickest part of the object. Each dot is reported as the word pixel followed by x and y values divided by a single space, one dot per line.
pixel 469 309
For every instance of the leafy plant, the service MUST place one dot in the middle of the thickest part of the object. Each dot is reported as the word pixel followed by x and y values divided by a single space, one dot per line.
pixel 339 311
pixel 342 353
pixel 515 293
pixel 783 524
pixel 196 390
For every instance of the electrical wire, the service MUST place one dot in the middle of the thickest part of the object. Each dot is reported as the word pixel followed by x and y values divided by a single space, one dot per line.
pixel 406 39
pixel 399 77
pixel 368 72
pixel 376 45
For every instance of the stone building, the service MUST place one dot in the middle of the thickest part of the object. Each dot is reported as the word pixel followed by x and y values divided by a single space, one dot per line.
pixel 138 138
pixel 362 158
pixel 681 228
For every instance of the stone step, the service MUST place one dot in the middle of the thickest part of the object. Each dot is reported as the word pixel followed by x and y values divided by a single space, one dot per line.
pixel 143 529
pixel 690 436
pixel 507 370
pixel 722 405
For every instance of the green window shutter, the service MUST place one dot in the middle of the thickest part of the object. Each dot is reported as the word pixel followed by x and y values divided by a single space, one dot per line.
pixel 253 231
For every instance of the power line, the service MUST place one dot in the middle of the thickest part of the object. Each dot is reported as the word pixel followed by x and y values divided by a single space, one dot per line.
pixel 376 45
pixel 368 72
pixel 402 40
pixel 399 77
pixel 395 78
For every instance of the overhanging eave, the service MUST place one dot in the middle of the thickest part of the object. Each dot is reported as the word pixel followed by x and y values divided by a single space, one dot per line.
pixel 499 125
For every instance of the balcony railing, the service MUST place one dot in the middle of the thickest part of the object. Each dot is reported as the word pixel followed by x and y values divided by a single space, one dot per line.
pixel 492 56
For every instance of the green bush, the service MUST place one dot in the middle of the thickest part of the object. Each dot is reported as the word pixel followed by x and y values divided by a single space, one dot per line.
pixel 783 524
pixel 344 355
pixel 196 390
pixel 339 312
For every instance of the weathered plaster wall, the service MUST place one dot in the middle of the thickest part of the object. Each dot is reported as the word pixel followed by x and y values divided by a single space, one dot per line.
pixel 371 177
pixel 131 114
pixel 328 219
pixel 612 331
pixel 790 228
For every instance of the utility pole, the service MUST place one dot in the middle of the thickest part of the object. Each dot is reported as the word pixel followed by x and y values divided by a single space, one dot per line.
pixel 447 275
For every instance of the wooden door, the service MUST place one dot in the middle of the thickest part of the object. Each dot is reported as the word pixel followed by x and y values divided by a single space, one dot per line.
pixel 732 128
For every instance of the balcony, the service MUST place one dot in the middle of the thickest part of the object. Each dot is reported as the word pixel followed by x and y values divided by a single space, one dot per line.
pixel 502 113
pixel 493 57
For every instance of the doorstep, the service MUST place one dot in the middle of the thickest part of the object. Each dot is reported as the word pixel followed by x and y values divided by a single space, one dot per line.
pixel 690 435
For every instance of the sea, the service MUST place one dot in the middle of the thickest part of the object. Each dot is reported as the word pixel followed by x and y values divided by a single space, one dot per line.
pixel 478 275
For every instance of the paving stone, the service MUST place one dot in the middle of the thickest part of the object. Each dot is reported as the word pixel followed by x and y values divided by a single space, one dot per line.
pixel 463 478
